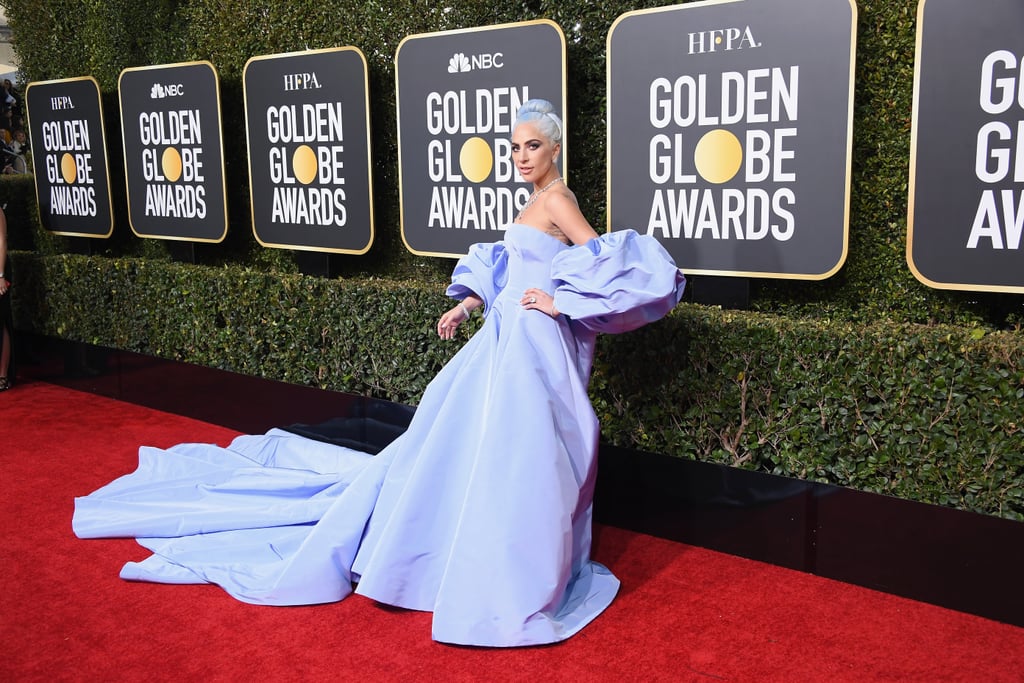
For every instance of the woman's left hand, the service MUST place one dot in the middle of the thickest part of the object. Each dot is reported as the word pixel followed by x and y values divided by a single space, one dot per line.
pixel 539 300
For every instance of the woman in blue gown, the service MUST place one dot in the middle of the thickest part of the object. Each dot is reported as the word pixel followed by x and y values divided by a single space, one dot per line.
pixel 481 511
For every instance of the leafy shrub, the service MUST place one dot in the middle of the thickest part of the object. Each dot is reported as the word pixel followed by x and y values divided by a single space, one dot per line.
pixel 868 379
pixel 925 412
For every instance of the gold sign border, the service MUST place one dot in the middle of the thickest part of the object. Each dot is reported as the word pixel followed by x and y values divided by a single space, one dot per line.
pixel 369 155
pixel 398 111
pixel 220 133
pixel 106 157
pixel 849 145
pixel 912 184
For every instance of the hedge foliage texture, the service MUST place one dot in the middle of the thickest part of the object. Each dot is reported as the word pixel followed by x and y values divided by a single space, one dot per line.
pixel 868 379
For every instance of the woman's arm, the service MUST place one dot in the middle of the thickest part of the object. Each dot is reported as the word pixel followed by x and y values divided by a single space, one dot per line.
pixel 457 314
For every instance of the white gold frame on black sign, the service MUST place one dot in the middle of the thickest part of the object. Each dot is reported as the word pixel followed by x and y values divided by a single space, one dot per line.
pixel 457 93
pixel 307 120
pixel 965 203
pixel 730 133
pixel 174 151
pixel 69 159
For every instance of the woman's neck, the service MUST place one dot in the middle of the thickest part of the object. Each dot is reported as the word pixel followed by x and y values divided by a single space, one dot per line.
pixel 547 181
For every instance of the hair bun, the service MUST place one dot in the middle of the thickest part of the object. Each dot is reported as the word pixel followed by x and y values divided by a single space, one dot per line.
pixel 536 105
pixel 542 113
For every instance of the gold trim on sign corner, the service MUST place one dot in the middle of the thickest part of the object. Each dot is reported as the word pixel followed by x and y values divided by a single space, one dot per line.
pixel 912 183
pixel 849 144
pixel 398 112
pixel 220 131
pixel 106 156
pixel 369 153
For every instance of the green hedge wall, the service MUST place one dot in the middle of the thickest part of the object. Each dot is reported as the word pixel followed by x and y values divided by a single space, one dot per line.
pixel 868 379
pixel 926 412
pixel 64 38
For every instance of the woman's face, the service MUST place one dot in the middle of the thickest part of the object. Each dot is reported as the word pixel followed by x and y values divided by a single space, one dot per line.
pixel 533 153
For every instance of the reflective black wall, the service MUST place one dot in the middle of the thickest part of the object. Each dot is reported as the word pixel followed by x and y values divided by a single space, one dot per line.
pixel 965 561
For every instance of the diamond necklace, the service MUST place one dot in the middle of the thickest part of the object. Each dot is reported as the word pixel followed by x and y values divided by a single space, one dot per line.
pixel 533 198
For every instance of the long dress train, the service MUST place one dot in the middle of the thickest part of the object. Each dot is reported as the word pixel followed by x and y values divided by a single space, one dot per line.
pixel 480 512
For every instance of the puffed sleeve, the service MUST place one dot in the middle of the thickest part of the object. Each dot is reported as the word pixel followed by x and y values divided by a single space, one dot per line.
pixel 617 282
pixel 483 271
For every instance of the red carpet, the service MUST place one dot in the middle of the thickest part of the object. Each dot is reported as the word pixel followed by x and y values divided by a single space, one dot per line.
pixel 684 613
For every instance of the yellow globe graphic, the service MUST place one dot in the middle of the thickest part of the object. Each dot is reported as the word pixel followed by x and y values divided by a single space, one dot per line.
pixel 304 164
pixel 170 162
pixel 68 168
pixel 476 160
pixel 718 156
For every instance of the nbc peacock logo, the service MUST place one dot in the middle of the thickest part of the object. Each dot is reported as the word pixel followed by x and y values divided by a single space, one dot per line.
pixel 458 63
pixel 159 91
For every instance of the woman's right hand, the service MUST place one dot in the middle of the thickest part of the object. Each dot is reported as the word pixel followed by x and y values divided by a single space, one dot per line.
pixel 450 321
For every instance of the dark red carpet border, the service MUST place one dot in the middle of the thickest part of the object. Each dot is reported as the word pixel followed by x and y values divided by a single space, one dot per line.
pixel 684 613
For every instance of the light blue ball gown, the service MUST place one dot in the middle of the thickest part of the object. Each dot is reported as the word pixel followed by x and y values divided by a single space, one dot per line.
pixel 480 512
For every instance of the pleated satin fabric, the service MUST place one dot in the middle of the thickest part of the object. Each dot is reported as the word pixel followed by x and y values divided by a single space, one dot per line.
pixel 479 513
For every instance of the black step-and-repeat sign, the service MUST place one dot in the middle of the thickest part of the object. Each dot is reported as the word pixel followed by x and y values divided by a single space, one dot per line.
pixel 458 94
pixel 308 127
pixel 173 152
pixel 966 213
pixel 729 133
pixel 69 157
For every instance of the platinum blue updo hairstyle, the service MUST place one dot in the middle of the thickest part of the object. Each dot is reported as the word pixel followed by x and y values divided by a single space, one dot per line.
pixel 541 114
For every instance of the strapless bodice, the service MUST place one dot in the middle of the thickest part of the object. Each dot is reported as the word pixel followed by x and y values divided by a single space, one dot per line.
pixel 530 255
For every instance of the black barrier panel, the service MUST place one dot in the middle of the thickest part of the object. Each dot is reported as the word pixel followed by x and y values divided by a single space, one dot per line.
pixel 966 208
pixel 308 129
pixel 173 152
pixel 730 133
pixel 69 157
pixel 458 93
pixel 960 560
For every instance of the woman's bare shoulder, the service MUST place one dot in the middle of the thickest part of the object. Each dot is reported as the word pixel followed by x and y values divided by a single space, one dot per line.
pixel 564 212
